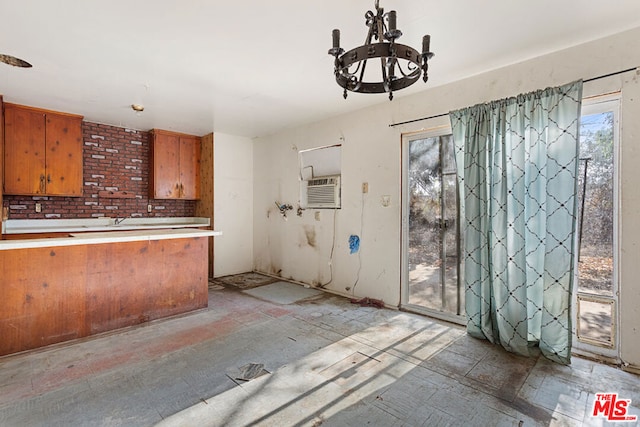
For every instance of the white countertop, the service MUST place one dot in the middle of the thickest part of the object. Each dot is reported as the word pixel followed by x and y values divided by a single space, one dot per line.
pixel 93 238
pixel 26 226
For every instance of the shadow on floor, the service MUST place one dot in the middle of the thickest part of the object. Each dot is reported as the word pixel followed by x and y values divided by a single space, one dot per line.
pixel 328 362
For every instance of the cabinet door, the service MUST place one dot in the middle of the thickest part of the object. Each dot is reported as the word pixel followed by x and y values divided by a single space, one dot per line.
pixel 165 157
pixel 64 155
pixel 24 151
pixel 190 168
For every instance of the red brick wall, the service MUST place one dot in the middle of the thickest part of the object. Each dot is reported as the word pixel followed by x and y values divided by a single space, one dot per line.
pixel 115 159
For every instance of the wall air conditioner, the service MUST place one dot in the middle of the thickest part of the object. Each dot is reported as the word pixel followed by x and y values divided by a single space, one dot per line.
pixel 322 192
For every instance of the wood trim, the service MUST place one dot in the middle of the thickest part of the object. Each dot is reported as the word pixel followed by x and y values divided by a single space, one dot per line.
pixel 23 236
pixel 205 206
pixel 2 210
pixel 170 132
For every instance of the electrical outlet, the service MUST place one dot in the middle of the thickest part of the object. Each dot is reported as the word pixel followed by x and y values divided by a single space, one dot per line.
pixel 365 187
pixel 149 208
pixel 38 207
pixel 385 201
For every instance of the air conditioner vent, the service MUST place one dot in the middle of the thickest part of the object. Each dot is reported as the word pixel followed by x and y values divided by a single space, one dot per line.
pixel 323 192
pixel 321 181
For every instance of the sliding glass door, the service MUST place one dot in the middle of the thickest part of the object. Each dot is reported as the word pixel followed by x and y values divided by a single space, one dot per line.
pixel 431 229
pixel 431 262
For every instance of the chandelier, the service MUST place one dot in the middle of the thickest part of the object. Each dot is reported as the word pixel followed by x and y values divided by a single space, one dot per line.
pixel 401 65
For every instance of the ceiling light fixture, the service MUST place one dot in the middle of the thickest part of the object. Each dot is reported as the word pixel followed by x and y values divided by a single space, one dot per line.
pixel 392 56
pixel 138 108
pixel 16 62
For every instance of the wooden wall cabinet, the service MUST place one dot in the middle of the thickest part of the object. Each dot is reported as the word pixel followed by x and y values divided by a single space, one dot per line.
pixel 175 166
pixel 42 153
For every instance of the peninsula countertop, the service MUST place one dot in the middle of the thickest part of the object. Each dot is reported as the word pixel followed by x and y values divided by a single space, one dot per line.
pixel 26 226
pixel 103 230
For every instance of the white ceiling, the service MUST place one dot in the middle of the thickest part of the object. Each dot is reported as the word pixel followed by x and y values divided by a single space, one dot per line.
pixel 252 68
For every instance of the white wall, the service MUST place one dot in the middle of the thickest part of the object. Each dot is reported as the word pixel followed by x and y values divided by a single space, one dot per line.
pixel 233 204
pixel 300 247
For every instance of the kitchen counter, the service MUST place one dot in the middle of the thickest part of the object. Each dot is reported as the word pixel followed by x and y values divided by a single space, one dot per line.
pixel 28 226
pixel 93 238
pixel 90 231
pixel 83 283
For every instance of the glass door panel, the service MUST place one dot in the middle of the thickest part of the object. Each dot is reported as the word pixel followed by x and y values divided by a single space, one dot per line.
pixel 596 296
pixel 424 223
pixel 431 252
pixel 451 301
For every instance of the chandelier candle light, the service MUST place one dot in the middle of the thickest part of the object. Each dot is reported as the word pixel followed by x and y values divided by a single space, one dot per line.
pixel 390 53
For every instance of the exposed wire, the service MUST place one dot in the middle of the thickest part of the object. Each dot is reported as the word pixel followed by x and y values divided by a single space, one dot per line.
pixel 353 288
pixel 333 245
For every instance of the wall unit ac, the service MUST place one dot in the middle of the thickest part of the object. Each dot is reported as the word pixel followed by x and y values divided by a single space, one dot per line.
pixel 322 192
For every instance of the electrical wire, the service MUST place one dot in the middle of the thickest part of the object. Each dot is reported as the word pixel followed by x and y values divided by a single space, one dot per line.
pixel 333 246
pixel 353 288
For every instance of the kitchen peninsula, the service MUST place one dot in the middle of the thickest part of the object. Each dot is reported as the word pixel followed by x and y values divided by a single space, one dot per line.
pixel 79 284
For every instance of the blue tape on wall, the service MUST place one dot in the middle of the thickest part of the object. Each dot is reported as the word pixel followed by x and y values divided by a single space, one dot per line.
pixel 354 243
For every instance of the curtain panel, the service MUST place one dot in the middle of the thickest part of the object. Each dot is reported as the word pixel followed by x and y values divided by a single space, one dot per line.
pixel 517 162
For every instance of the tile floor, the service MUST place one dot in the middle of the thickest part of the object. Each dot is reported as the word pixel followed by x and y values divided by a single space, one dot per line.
pixel 330 363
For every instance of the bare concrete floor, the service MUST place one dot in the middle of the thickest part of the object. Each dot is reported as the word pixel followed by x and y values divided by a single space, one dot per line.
pixel 329 363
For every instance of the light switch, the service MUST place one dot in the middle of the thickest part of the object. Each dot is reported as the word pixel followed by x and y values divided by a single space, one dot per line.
pixel 38 207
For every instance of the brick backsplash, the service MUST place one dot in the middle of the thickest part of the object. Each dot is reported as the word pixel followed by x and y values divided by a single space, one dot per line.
pixel 115 159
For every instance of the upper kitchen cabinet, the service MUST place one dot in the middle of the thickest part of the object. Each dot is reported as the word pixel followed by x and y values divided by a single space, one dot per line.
pixel 175 166
pixel 42 153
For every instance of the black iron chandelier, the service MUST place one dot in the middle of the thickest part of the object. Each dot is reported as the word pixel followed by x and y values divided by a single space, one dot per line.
pixel 393 57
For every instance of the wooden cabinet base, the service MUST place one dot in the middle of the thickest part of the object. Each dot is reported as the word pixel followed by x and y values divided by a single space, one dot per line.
pixel 51 295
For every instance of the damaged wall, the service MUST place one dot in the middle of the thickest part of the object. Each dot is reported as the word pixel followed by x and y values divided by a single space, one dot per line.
pixel 371 153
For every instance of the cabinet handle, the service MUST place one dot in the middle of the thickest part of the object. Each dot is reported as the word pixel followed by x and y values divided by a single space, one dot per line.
pixel 49 179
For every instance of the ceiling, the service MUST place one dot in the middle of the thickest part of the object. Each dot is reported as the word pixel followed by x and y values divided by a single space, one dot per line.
pixel 252 68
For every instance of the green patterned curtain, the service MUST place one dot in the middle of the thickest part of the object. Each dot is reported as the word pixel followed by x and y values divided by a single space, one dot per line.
pixel 517 163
